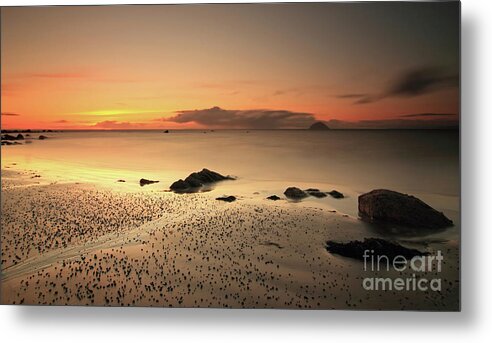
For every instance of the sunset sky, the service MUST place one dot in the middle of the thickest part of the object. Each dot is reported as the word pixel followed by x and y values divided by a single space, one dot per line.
pixel 373 65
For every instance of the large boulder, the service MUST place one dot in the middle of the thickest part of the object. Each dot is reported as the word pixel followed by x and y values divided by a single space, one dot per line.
pixel 196 180
pixel 385 206
pixel 295 193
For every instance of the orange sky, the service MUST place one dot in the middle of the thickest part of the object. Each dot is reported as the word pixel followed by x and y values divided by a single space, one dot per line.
pixel 117 67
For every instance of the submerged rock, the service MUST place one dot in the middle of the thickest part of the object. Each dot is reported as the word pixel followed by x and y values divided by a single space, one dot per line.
pixel 144 182
pixel 229 198
pixel 295 193
pixel 196 180
pixel 385 206
pixel 273 197
pixel 336 194
pixel 371 247
pixel 41 137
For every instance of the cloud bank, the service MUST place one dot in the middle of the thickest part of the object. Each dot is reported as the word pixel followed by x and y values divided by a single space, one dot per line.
pixel 217 117
pixel 411 83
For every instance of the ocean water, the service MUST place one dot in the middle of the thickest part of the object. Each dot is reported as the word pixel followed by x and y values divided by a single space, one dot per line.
pixel 424 163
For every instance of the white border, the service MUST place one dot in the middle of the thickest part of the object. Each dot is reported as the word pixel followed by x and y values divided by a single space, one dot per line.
pixel 79 324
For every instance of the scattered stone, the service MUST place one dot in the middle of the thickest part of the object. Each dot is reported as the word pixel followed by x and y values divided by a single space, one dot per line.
pixel 124 180
pixel 229 198
pixel 385 206
pixel 295 193
pixel 144 182
pixel 273 197
pixel 371 247
pixel 336 194
pixel 166 131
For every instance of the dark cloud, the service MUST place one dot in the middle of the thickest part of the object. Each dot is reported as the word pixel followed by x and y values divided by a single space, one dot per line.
pixel 411 83
pixel 10 114
pixel 420 81
pixel 352 96
pixel 396 123
pixel 426 115
pixel 63 121
pixel 244 119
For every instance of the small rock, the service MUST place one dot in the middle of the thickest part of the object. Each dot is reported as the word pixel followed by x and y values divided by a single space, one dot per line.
pixel 336 194
pixel 41 137
pixel 229 198
pixel 295 193
pixel 144 182
pixel 316 193
pixel 273 197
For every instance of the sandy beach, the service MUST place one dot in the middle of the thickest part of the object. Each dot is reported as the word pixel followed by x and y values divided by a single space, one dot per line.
pixel 86 244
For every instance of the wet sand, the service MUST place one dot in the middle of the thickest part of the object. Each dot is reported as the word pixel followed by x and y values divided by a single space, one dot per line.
pixel 82 244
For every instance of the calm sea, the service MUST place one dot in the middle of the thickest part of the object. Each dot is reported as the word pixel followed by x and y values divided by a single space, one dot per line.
pixel 420 162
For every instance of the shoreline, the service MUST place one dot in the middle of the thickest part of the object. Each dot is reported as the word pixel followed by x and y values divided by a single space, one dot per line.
pixel 186 251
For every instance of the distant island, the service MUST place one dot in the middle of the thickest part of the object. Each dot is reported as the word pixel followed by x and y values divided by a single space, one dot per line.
pixel 319 126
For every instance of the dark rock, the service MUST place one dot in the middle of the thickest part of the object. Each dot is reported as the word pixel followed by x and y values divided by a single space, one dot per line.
pixel 19 137
pixel 144 182
pixel 229 198
pixel 9 137
pixel 385 206
pixel 42 137
pixel 180 185
pixel 375 246
pixel 336 194
pixel 316 193
pixel 295 193
pixel 273 197
pixel 196 180
pixel 166 131
pixel 319 126
pixel 121 181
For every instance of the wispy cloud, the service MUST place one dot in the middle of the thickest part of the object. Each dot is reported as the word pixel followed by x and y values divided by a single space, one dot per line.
pixel 248 119
pixel 113 112
pixel 427 115
pixel 117 125
pixel 57 75
pixel 10 114
pixel 410 83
